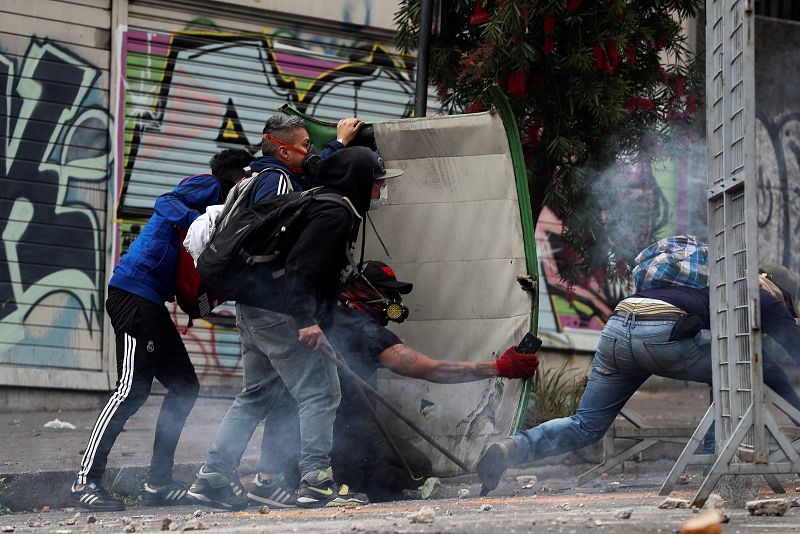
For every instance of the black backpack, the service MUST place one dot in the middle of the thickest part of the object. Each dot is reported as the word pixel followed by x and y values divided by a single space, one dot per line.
pixel 257 236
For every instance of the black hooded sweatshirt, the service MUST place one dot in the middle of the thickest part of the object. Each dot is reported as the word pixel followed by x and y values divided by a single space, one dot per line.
pixel 314 264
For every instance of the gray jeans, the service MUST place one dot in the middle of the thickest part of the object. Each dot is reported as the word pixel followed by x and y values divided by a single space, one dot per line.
pixel 273 361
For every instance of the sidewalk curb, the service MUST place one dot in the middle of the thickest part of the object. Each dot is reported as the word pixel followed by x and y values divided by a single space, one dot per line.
pixel 50 488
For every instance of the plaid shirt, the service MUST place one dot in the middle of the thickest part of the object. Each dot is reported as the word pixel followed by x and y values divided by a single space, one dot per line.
pixel 680 260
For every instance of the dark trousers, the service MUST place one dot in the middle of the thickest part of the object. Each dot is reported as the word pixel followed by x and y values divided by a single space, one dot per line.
pixel 148 346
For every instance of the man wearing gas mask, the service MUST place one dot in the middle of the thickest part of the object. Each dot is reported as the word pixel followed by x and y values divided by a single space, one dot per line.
pixel 289 158
pixel 361 454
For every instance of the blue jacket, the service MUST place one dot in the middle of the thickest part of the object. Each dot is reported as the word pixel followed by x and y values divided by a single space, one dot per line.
pixel 148 269
pixel 273 184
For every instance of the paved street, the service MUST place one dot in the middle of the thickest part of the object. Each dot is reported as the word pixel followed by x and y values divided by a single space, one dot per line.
pixel 549 505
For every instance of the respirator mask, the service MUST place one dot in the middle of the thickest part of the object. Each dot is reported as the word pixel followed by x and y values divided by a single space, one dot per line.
pixel 376 203
pixel 311 158
pixel 389 308
pixel 360 294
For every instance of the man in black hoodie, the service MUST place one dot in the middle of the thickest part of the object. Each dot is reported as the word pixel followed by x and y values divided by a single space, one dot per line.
pixel 281 335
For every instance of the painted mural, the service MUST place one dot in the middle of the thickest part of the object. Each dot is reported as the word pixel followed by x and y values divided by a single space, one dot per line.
pixel 54 168
pixel 644 202
pixel 778 137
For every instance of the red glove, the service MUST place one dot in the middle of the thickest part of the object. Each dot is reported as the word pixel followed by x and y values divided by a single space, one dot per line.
pixel 513 364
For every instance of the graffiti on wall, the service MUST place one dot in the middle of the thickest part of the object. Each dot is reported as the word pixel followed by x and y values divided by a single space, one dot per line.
pixel 643 203
pixel 777 175
pixel 190 93
pixel 54 165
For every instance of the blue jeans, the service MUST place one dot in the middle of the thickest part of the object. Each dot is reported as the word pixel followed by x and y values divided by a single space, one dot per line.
pixel 628 353
pixel 274 361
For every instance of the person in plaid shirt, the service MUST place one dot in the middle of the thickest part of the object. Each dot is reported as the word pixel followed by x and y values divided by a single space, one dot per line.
pixel 663 329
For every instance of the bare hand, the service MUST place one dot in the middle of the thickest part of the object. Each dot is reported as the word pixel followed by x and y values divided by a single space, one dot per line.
pixel 311 336
pixel 347 129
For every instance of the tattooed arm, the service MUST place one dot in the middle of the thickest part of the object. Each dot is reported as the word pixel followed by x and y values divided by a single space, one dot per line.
pixel 406 361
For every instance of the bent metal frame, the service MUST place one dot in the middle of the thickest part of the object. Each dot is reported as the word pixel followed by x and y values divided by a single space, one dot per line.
pixel 748 439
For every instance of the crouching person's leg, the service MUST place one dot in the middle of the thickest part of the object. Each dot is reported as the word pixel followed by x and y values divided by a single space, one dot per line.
pixel 613 379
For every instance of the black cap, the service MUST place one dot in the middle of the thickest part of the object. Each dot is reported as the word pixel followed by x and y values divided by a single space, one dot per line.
pixel 379 170
pixel 381 275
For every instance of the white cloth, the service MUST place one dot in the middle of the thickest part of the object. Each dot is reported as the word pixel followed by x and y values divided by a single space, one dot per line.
pixel 199 233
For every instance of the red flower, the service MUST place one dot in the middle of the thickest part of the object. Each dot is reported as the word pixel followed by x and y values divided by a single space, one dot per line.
pixel 573 5
pixel 549 45
pixel 691 103
pixel 516 83
pixel 678 85
pixel 549 23
pixel 475 107
pixel 537 78
pixel 659 42
pixel 501 83
pixel 613 54
pixel 621 14
pixel 637 102
pixel 630 55
pixel 479 15
pixel 599 57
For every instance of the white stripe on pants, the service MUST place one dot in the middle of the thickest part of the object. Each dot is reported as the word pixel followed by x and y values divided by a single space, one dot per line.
pixel 110 408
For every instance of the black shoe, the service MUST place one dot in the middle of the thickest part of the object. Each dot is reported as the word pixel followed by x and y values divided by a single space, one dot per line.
pixel 497 458
pixel 218 491
pixel 95 498
pixel 172 494
pixel 274 493
pixel 318 490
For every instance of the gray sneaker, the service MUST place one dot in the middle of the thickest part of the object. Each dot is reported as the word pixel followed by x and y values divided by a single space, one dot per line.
pixel 319 490
pixel 275 493
pixel 218 491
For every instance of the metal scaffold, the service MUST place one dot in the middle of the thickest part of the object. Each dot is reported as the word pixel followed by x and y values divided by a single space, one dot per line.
pixel 748 438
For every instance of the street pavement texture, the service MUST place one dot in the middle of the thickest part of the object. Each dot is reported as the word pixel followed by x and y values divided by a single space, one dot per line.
pixel 519 505
pixel 39 463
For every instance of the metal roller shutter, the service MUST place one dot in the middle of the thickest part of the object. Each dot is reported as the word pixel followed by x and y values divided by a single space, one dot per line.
pixel 54 155
pixel 198 79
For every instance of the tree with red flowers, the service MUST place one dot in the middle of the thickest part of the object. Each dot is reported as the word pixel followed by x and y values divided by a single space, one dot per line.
pixel 590 82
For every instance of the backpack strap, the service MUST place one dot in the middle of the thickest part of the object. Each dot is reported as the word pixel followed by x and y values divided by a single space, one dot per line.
pixel 240 195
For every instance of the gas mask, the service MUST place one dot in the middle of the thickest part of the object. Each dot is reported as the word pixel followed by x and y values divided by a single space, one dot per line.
pixel 360 295
pixel 394 310
pixel 376 203
pixel 311 158
pixel 311 162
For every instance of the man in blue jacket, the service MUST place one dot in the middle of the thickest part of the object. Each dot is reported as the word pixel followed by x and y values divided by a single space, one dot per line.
pixel 148 344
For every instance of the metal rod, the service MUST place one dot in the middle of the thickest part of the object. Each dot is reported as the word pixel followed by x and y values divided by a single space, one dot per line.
pixel 330 354
pixel 423 58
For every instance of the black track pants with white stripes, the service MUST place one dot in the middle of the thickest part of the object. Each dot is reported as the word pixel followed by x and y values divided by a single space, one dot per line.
pixel 148 346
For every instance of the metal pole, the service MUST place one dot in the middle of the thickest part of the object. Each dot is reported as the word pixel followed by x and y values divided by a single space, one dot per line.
pixel 330 353
pixel 423 55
